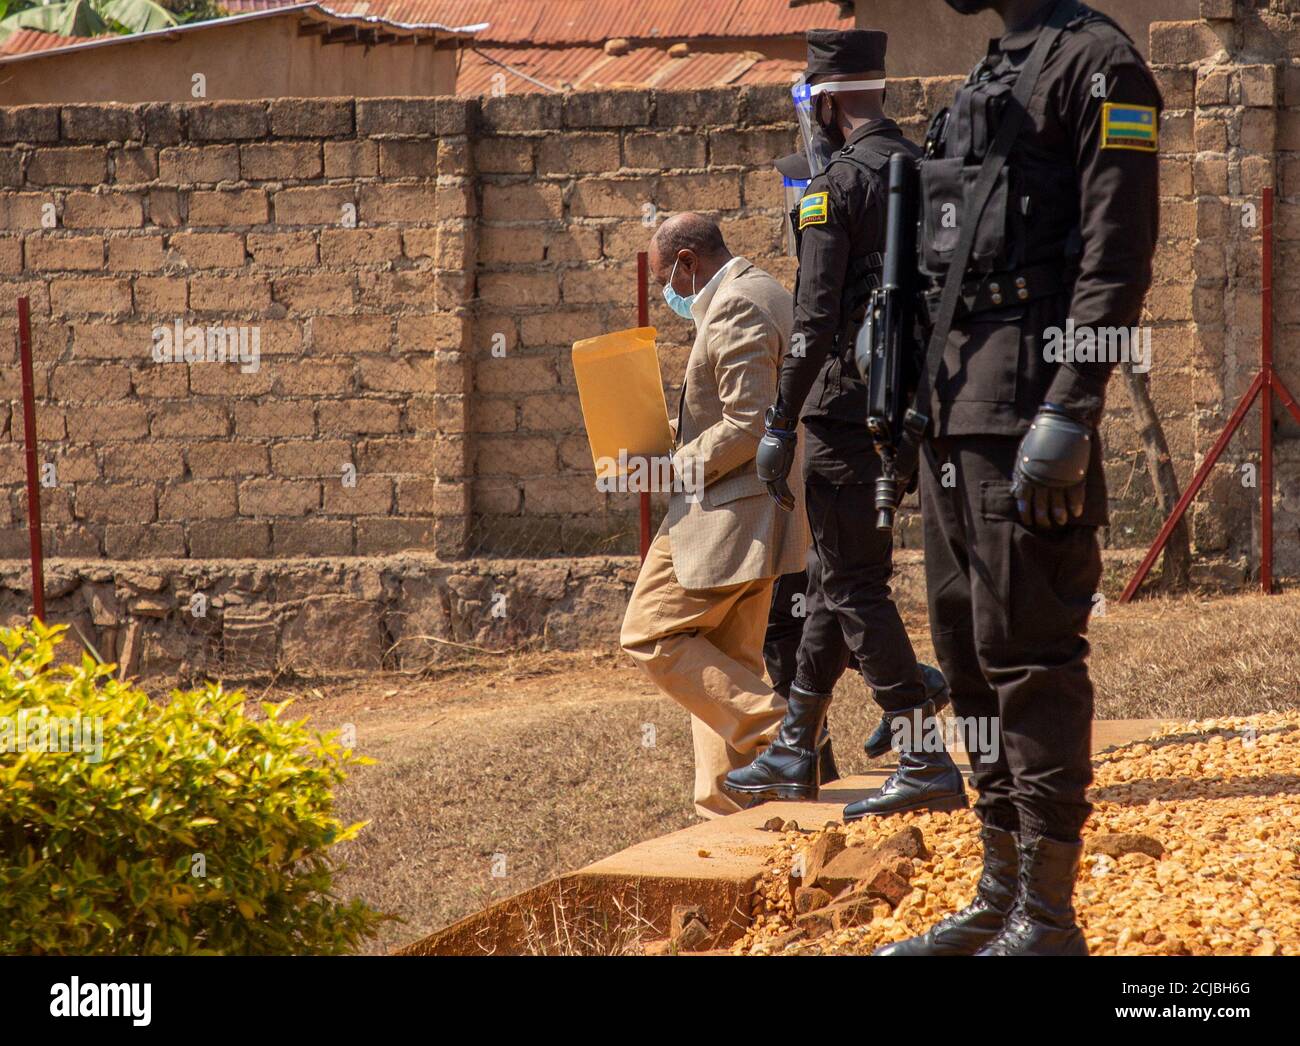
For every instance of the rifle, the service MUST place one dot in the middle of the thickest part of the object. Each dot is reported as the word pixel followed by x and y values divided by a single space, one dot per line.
pixel 889 349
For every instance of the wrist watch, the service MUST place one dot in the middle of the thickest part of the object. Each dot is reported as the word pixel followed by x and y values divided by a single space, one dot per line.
pixel 778 422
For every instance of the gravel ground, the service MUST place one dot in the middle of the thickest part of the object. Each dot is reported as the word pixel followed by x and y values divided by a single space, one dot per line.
pixel 1218 799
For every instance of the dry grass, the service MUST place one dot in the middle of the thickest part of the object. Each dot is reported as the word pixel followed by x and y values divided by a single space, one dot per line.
pixel 1197 658
pixel 540 757
pixel 489 783
pixel 569 928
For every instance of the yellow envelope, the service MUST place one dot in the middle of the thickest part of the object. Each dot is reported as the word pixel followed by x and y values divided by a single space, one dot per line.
pixel 622 396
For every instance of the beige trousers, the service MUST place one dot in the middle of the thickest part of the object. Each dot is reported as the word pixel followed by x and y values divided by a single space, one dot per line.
pixel 704 649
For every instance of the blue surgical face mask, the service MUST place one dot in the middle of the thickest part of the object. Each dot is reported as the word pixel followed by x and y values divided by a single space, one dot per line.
pixel 677 302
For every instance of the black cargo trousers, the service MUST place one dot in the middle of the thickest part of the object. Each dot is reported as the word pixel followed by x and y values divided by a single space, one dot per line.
pixel 799 615
pixel 1009 607
pixel 850 614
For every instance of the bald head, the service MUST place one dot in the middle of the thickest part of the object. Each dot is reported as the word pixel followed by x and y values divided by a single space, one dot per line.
pixel 689 232
pixel 691 244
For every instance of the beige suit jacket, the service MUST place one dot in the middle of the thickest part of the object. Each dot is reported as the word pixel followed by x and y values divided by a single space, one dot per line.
pixel 732 531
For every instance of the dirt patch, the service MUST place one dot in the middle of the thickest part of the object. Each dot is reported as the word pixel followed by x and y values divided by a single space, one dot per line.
pixel 501 771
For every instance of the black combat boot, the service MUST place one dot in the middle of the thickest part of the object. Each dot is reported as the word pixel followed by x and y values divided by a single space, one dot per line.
pixel 1042 919
pixel 827 770
pixel 924 780
pixel 936 692
pixel 967 931
pixel 788 769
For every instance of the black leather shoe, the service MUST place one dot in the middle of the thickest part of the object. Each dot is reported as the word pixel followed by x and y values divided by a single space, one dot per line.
pixel 1042 919
pixel 967 931
pixel 923 781
pixel 827 771
pixel 788 769
pixel 937 694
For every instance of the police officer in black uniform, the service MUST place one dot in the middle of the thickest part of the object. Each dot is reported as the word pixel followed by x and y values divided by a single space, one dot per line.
pixel 1060 122
pixel 840 229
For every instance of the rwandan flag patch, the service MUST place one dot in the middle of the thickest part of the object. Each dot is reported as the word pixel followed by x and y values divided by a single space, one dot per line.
pixel 812 209
pixel 1130 127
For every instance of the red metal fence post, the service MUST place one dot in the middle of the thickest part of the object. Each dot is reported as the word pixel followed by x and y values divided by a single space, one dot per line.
pixel 1193 488
pixel 33 471
pixel 643 320
pixel 1266 403
pixel 1265 384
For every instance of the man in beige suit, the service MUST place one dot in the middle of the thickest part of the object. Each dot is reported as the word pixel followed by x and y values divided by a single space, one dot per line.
pixel 699 610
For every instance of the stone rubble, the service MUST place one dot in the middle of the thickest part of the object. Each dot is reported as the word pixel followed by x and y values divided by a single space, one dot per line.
pixel 1193 849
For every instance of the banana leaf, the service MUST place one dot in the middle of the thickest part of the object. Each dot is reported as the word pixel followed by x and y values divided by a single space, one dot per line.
pixel 84 18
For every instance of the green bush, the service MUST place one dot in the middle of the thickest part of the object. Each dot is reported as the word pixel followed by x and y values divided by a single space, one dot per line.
pixel 193 829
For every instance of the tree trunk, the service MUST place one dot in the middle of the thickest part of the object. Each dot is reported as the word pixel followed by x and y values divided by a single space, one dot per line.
pixel 1178 551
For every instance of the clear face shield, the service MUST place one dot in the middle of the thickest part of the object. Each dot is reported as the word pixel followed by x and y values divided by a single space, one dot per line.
pixel 817 145
pixel 817 148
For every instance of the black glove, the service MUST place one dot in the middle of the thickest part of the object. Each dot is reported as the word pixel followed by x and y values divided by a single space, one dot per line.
pixel 1051 469
pixel 775 457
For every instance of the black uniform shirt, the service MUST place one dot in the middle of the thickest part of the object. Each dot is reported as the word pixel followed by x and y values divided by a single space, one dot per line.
pixel 1094 84
pixel 841 226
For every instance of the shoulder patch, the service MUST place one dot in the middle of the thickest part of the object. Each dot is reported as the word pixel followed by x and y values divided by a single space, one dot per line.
pixel 1130 127
pixel 813 209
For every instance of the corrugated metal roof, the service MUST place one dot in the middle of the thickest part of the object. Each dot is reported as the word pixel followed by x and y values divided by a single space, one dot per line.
pixel 483 69
pixel 313 12
pixel 773 71
pixel 648 66
pixel 764 18
pixel 562 40
pixel 705 70
pixel 507 21
pixel 553 22
pixel 659 19
pixel 26 41
pixel 487 69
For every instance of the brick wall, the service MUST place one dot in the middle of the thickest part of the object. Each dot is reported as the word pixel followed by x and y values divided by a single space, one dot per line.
pixel 337 231
pixel 427 348
pixel 1232 84
pixel 1262 61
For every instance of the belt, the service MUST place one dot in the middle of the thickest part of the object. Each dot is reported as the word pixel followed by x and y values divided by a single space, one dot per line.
pixel 1005 290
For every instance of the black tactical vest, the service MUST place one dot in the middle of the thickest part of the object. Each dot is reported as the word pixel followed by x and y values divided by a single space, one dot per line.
pixel 1032 217
pixel 839 392
pixel 870 158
